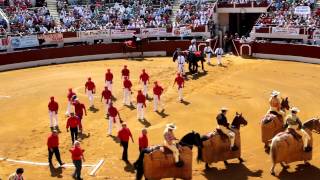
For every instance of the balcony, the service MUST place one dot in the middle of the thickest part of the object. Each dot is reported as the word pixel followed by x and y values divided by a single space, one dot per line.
pixel 249 7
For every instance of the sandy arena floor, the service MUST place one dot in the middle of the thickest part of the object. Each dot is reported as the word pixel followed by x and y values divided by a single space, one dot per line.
pixel 243 86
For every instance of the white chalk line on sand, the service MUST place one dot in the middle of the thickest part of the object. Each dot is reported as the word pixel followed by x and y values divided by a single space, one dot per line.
pixel 95 167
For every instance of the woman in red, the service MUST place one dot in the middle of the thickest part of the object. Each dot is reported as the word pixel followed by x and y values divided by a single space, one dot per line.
pixel 77 158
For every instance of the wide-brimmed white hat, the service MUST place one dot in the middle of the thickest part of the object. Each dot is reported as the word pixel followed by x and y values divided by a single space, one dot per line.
pixel 294 109
pixel 275 93
pixel 224 109
pixel 193 41
pixel 171 126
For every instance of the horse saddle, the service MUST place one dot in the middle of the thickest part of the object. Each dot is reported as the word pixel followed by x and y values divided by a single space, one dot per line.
pixel 276 114
pixel 222 135
pixel 268 118
pixel 198 53
pixel 295 135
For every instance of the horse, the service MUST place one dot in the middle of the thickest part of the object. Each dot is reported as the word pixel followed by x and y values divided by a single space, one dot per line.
pixel 272 124
pixel 193 58
pixel 168 168
pixel 285 148
pixel 216 146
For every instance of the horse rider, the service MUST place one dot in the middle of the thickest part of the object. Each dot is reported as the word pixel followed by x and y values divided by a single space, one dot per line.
pixel 223 125
pixel 181 61
pixel 293 122
pixel 208 51
pixel 275 103
pixel 170 142
pixel 193 47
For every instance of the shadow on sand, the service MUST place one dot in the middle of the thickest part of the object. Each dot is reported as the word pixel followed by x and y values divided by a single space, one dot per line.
pixel 162 114
pixel 55 172
pixel 302 171
pixel 145 122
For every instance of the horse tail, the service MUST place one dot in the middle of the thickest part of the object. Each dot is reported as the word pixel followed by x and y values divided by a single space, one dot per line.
pixel 273 149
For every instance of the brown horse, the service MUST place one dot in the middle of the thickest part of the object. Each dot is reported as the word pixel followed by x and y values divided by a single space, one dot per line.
pixel 285 148
pixel 272 124
pixel 216 147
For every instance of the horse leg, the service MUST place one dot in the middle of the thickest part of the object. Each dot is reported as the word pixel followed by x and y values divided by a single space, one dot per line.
pixel 284 165
pixel 306 163
pixel 266 148
pixel 226 163
pixel 272 169
pixel 240 160
pixel 207 166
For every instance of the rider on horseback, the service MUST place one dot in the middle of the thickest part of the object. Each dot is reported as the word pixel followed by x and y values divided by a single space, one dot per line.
pixel 275 104
pixel 223 125
pixel 293 122
pixel 193 47
pixel 169 142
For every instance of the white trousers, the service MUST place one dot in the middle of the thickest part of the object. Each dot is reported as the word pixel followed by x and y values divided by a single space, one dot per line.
pixel 53 118
pixel 180 94
pixel 156 102
pixel 145 89
pixel 68 108
pixel 90 96
pixel 107 105
pixel 208 58
pixel 229 133
pixel 174 149
pixel 126 96
pixel 109 85
pixel 181 68
pixel 117 123
pixel 305 136
pixel 140 111
pixel 219 57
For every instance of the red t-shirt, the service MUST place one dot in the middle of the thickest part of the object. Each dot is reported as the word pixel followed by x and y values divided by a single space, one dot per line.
pixel 109 76
pixel 143 142
pixel 144 77
pixel 127 84
pixel 141 98
pixel 90 85
pixel 125 72
pixel 78 108
pixel 53 141
pixel 70 95
pixel 157 90
pixel 106 94
pixel 179 80
pixel 113 112
pixel 76 153
pixel 73 122
pixel 124 134
pixel 53 106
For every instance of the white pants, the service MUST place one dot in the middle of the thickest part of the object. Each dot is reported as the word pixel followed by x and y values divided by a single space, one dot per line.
pixel 229 133
pixel 109 85
pixel 90 96
pixel 208 58
pixel 126 96
pixel 145 89
pixel 305 136
pixel 181 68
pixel 117 123
pixel 156 102
pixel 174 149
pixel 180 94
pixel 107 105
pixel 68 108
pixel 140 111
pixel 219 57
pixel 53 118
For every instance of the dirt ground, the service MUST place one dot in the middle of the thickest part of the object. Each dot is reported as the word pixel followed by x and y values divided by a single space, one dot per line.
pixel 243 86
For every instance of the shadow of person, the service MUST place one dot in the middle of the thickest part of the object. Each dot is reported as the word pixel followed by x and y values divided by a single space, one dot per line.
pixel 83 136
pixel 199 75
pixel 162 114
pixel 233 171
pixel 113 98
pixel 222 65
pixel 93 109
pixel 145 122
pixel 302 171
pixel 129 167
pixel 185 102
pixel 115 138
pixel 55 172
pixel 131 107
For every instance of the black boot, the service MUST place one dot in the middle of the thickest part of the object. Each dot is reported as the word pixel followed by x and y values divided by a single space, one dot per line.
pixel 307 149
pixel 234 148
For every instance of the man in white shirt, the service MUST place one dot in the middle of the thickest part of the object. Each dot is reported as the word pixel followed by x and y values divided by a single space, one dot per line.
pixel 219 52
pixel 208 51
pixel 181 61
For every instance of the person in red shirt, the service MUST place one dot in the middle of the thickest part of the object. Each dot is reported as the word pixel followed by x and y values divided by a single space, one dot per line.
pixel 124 134
pixel 106 95
pixel 79 108
pixel 90 89
pixel 53 113
pixel 53 147
pixel 144 79
pixel 109 78
pixel 73 122
pixel 180 81
pixel 157 91
pixel 113 114
pixel 143 140
pixel 71 97
pixel 77 158
pixel 125 72
pixel 127 91
pixel 141 104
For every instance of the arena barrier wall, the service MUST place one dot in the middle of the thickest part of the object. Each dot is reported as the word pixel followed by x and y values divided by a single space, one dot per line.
pixel 37 57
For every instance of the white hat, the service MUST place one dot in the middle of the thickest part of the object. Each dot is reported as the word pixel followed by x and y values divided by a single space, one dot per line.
pixel 294 109
pixel 224 109
pixel 208 40
pixel 171 126
pixel 193 41
pixel 275 93
pixel 76 143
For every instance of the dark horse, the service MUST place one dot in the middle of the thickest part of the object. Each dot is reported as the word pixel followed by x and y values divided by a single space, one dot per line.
pixel 237 122
pixel 134 44
pixel 189 140
pixel 192 59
